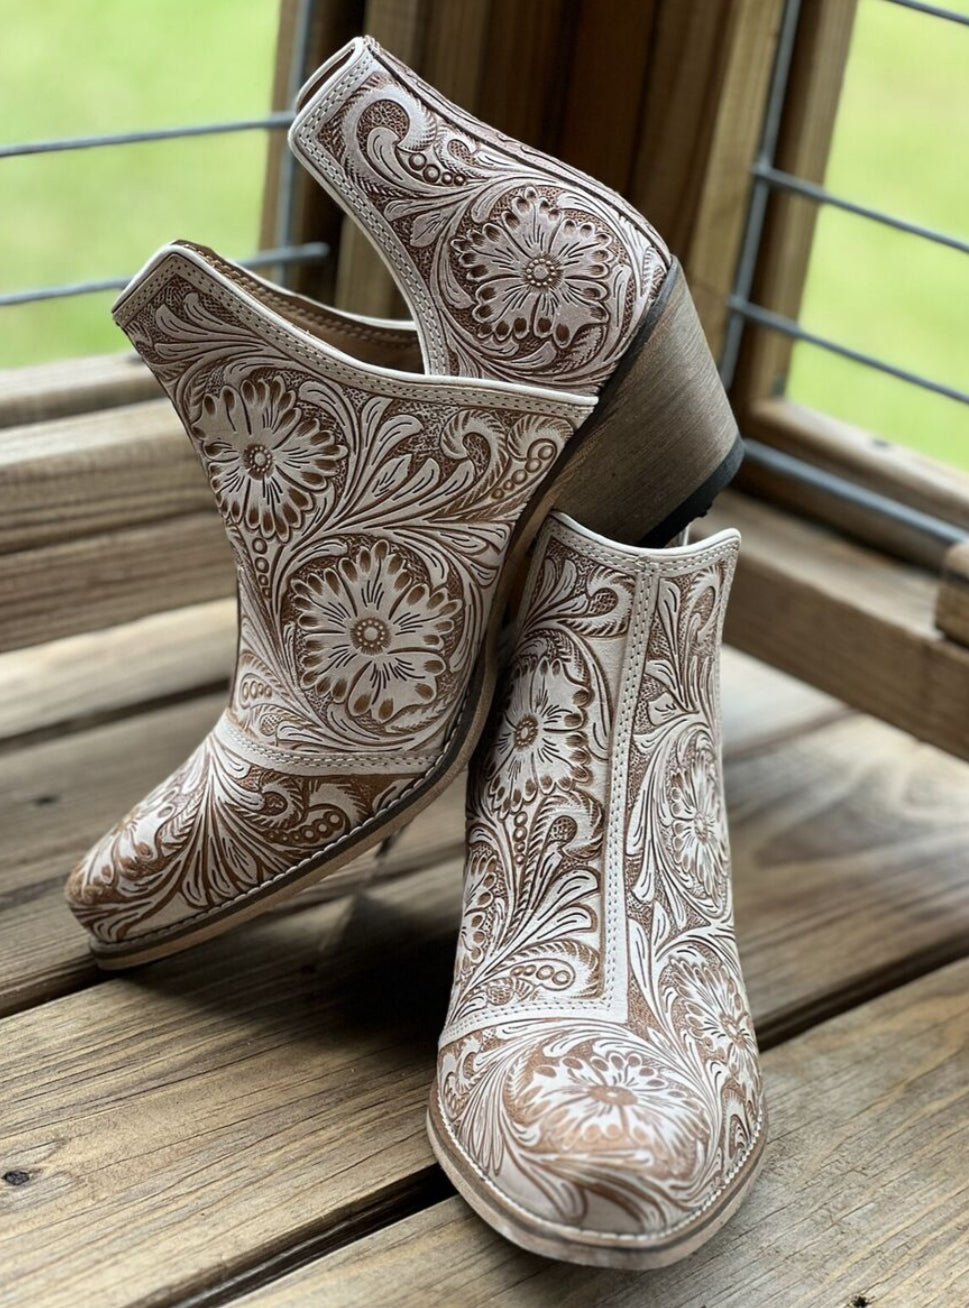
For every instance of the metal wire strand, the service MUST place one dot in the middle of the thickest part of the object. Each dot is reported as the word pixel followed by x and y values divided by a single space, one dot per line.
pixel 934 11
pixel 271 122
pixel 776 322
pixel 781 181
pixel 311 252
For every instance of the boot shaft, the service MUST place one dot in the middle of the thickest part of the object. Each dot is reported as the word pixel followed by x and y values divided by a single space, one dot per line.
pixel 369 511
pixel 596 824
pixel 513 264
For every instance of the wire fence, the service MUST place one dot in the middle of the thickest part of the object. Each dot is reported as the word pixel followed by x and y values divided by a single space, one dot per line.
pixel 286 255
pixel 768 178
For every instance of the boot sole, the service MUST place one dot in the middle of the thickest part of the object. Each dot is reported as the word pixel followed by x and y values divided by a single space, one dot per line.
pixel 571 1244
pixel 610 479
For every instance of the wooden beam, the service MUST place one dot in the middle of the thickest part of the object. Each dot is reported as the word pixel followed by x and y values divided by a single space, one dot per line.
pixel 315 217
pixel 112 577
pixel 81 679
pixel 723 191
pixel 95 472
pixel 859 456
pixel 811 108
pixel 952 606
pixel 55 390
pixel 851 621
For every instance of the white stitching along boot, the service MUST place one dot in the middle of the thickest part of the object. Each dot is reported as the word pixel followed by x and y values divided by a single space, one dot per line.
pixel 598 1095
pixel 380 485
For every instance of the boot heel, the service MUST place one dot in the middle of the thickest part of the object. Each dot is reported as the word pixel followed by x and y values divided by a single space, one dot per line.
pixel 663 423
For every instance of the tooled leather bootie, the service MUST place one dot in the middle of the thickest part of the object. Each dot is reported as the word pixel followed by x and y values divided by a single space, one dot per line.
pixel 380 486
pixel 598 1095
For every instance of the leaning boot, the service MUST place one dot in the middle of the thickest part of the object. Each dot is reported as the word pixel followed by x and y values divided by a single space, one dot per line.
pixel 380 486
pixel 598 1095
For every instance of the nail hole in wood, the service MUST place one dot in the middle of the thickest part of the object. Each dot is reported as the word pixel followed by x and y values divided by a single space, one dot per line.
pixel 16 1177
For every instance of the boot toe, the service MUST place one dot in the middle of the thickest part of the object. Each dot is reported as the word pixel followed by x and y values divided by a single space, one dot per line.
pixel 221 831
pixel 600 1141
pixel 116 886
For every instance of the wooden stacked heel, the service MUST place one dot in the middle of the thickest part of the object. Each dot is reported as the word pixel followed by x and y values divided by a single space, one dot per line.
pixel 663 441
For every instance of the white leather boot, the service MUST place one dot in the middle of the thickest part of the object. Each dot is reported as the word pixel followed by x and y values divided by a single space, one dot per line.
pixel 380 486
pixel 598 1095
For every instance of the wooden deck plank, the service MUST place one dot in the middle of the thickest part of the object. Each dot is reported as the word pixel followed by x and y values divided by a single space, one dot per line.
pixel 850 867
pixel 213 1113
pixel 112 577
pixel 191 1121
pixel 95 472
pixel 57 796
pixel 863 1197
pixel 106 672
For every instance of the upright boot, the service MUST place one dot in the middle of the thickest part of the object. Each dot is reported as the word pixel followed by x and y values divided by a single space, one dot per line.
pixel 379 513
pixel 598 1095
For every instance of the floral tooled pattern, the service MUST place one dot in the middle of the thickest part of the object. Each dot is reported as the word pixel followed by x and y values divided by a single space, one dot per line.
pixel 710 1002
pixel 218 828
pixel 515 265
pixel 372 634
pixel 603 1094
pixel 532 926
pixel 536 272
pixel 266 459
pixel 629 1099
pixel 370 531
pixel 540 744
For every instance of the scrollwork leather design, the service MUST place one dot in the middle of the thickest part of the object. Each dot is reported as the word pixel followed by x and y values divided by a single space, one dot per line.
pixel 370 519
pixel 598 1070
pixel 514 265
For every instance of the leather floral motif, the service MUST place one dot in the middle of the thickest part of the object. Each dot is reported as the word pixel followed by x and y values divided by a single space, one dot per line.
pixel 536 272
pixel 372 634
pixel 598 1063
pixel 218 827
pixel 515 265
pixel 370 522
pixel 589 1095
pixel 266 459
pixel 540 745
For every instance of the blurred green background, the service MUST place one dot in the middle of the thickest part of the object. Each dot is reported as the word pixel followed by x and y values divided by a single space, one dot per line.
pixel 902 144
pixel 78 67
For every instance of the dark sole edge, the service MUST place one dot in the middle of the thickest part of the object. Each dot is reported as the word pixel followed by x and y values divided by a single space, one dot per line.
pixel 699 502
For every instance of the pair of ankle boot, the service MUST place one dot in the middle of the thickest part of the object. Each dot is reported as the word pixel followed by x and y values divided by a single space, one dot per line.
pixel 390 491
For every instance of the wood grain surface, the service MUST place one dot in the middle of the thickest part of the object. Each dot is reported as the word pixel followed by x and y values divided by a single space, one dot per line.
pixel 112 577
pixel 257 1102
pixel 862 1199
pixel 854 622
pixel 95 472
pixel 63 683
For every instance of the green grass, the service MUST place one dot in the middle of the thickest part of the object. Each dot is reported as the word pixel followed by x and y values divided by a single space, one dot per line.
pixel 78 66
pixel 900 145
